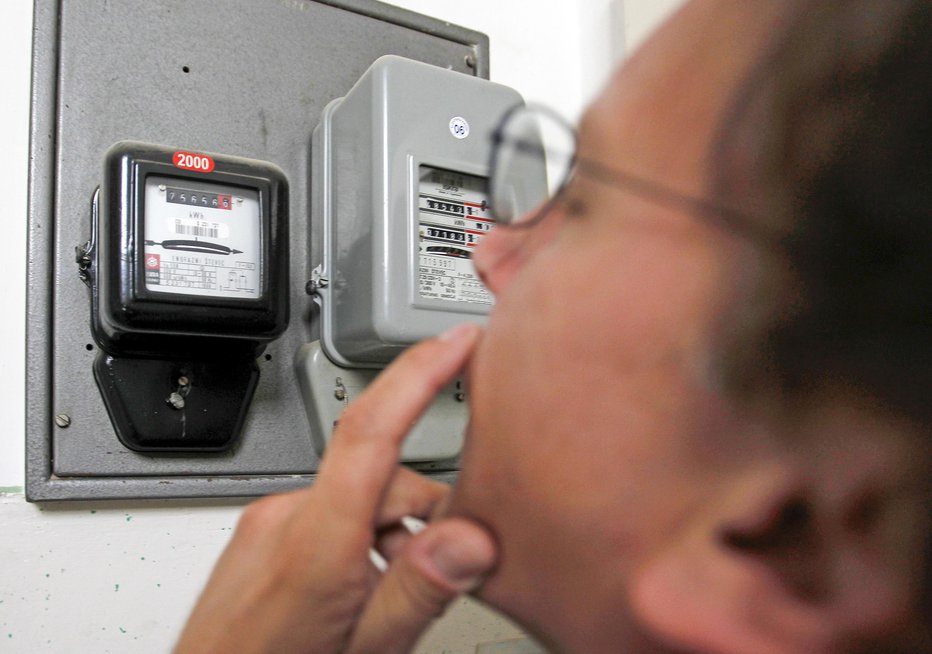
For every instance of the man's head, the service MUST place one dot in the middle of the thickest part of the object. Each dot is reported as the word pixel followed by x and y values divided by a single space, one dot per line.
pixel 652 475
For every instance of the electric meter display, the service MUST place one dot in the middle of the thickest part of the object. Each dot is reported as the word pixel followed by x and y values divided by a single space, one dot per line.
pixel 452 219
pixel 202 239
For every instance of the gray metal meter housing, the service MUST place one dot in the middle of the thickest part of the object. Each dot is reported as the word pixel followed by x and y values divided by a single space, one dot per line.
pixel 369 151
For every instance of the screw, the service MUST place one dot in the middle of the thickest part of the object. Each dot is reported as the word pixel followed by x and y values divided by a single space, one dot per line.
pixel 175 401
pixel 183 381
pixel 471 60
pixel 460 397
pixel 63 420
pixel 339 391
pixel 315 285
pixel 162 187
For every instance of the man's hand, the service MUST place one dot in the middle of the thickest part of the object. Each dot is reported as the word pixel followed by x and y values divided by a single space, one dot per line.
pixel 296 576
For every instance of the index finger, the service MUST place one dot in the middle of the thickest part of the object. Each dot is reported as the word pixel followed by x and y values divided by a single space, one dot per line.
pixel 363 454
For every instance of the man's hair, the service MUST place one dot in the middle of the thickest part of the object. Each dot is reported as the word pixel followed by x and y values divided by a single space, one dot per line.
pixel 829 144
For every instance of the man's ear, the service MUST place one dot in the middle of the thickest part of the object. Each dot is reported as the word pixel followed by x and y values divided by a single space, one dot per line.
pixel 749 574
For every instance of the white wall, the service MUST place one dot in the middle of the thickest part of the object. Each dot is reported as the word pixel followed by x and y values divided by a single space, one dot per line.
pixel 642 16
pixel 15 48
pixel 121 576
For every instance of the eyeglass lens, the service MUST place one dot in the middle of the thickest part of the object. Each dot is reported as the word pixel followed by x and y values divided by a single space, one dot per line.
pixel 532 162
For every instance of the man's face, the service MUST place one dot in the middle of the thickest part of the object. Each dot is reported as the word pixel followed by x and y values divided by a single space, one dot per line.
pixel 591 418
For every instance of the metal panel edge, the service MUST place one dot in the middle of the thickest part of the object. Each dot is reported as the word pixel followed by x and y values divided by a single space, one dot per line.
pixel 190 488
pixel 40 239
pixel 422 23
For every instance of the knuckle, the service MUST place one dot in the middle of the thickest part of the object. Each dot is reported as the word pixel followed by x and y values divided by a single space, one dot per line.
pixel 355 423
pixel 353 416
pixel 262 516
pixel 258 515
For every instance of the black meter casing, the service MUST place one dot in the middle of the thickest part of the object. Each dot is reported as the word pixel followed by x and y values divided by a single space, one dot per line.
pixel 188 271
pixel 134 316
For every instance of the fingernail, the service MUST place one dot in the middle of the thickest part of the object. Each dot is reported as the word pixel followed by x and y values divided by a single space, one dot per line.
pixel 458 332
pixel 460 564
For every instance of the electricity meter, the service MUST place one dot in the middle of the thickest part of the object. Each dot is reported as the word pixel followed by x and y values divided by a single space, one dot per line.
pixel 399 201
pixel 399 179
pixel 188 269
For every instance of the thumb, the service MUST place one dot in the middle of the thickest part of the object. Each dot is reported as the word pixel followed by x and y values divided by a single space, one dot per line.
pixel 447 559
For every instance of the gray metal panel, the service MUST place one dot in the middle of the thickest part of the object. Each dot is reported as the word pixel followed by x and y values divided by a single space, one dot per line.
pixel 237 77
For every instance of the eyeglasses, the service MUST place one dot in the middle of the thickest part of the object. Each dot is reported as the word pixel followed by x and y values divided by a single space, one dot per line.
pixel 534 157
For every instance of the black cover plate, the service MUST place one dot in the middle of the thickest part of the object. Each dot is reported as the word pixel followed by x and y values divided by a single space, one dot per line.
pixel 136 393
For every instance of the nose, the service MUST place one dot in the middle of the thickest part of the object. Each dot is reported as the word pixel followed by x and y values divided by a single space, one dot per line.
pixel 504 250
pixel 498 256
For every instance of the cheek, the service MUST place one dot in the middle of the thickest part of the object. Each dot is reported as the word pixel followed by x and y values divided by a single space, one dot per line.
pixel 585 368
pixel 609 305
pixel 586 409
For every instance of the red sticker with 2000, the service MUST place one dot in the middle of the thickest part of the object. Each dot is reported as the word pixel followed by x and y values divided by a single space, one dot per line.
pixel 189 161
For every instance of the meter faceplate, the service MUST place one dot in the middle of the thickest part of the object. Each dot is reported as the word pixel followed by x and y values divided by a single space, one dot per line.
pixel 202 239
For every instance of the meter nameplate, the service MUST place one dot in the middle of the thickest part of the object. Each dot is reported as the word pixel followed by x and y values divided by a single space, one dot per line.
pixel 202 238
pixel 452 219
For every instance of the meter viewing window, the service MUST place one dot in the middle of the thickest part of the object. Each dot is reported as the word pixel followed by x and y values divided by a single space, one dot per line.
pixel 202 239
pixel 453 217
